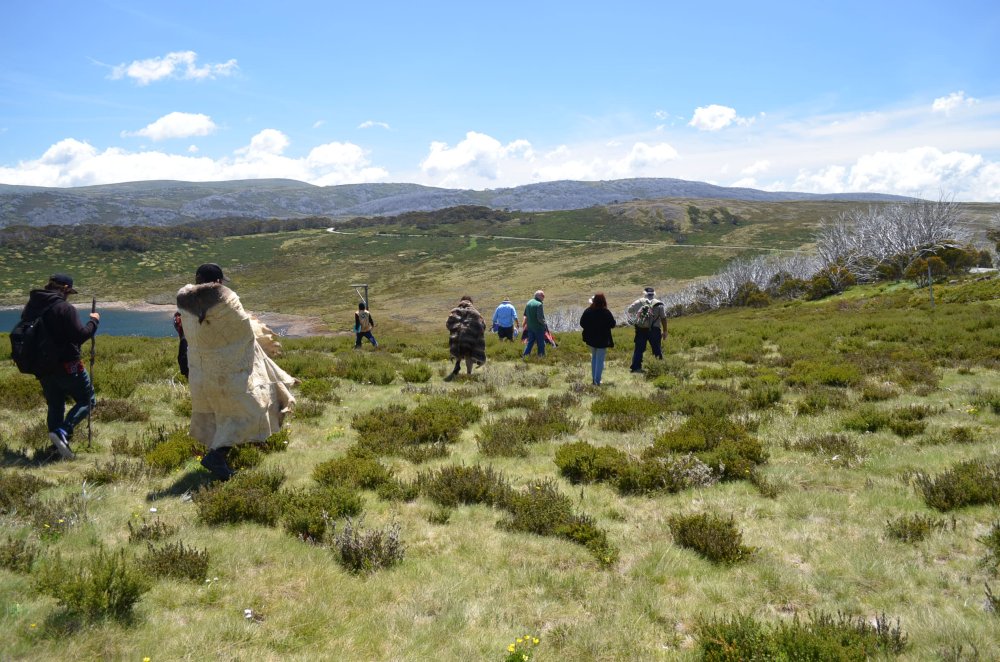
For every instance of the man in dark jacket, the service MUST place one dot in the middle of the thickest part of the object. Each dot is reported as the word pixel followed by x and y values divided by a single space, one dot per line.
pixel 467 339
pixel 65 376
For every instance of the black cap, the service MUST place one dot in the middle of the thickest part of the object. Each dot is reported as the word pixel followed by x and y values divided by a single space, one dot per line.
pixel 63 280
pixel 208 273
pixel 649 290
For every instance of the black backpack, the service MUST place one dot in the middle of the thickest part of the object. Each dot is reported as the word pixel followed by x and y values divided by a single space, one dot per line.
pixel 31 346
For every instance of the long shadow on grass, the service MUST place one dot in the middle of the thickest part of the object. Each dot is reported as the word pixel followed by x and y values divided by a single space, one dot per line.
pixel 188 483
pixel 21 458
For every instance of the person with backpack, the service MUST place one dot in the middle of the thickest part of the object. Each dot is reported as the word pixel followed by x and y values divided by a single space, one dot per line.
pixel 597 322
pixel 467 337
pixel 363 325
pixel 649 317
pixel 46 343
pixel 239 395
pixel 504 320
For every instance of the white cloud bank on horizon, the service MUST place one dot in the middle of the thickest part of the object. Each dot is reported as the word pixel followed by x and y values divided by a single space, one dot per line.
pixel 72 162
pixel 175 125
pixel 180 65
pixel 907 151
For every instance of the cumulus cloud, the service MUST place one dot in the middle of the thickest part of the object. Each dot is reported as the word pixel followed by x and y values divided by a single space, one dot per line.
pixel 176 125
pixel 756 168
pixel 371 124
pixel 921 172
pixel 715 117
pixel 478 155
pixel 953 101
pixel 181 65
pixel 72 162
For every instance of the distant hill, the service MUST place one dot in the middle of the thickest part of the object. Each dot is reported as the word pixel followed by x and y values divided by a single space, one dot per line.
pixel 174 202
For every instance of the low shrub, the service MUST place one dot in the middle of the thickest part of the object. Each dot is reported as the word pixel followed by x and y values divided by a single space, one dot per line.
pixel 510 435
pixel 18 491
pixel 676 366
pixel 176 450
pixel 176 561
pixel 119 382
pixel 913 528
pixel 20 393
pixel 957 434
pixel 182 408
pixel 319 389
pixel 987 401
pixel 307 514
pixel 812 373
pixel 352 471
pixel 714 537
pixel 18 555
pixel 878 391
pixel 275 443
pixel 840 449
pixel 706 400
pixel 669 474
pixel 991 539
pixel 392 430
pixel 249 496
pixel 364 552
pixel 540 508
pixel 969 483
pixel 582 530
pixel 105 585
pixel 820 398
pixel 722 444
pixel 824 637
pixel 309 409
pixel 366 368
pixel 763 395
pixel 52 518
pixel 397 490
pixel 150 530
pixel 112 409
pixel 580 462
pixel 118 469
pixel 244 456
pixel 454 485
pixel 522 402
pixel 416 373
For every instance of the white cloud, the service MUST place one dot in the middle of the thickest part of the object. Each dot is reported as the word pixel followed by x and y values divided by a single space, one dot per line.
pixel 715 117
pixel 318 123
pixel 178 65
pixel 756 168
pixel 72 162
pixel 478 155
pixel 192 149
pixel 176 125
pixel 370 124
pixel 925 172
pixel 661 114
pixel 952 102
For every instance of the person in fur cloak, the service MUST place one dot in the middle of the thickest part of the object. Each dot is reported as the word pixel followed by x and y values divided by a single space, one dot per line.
pixel 468 336
pixel 238 394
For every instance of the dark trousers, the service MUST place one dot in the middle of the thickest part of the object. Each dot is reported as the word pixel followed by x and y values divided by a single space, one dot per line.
pixel 534 337
pixel 653 336
pixel 505 332
pixel 56 387
pixel 365 334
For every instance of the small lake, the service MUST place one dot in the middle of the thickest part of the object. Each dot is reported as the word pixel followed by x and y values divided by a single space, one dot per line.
pixel 114 322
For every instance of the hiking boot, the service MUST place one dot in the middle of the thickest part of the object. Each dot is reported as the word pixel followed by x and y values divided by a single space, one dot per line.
pixel 215 461
pixel 451 376
pixel 59 440
pixel 636 372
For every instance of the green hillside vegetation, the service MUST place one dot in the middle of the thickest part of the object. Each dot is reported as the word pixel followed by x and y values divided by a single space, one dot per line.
pixel 417 264
pixel 811 480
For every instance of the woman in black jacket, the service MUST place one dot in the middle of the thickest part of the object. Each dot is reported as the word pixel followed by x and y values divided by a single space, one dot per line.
pixel 597 322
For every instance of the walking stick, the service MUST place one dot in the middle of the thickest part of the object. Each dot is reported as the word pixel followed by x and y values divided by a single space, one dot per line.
pixel 93 353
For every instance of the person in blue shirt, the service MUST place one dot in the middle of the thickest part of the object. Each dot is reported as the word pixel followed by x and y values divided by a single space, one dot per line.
pixel 505 320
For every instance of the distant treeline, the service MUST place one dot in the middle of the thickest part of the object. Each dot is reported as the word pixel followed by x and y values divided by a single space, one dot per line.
pixel 140 238
pixel 425 220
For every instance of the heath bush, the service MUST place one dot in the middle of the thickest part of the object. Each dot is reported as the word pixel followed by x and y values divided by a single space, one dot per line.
pixel 833 373
pixel 20 393
pixel 364 552
pixel 174 451
pixel 150 530
pixel 18 555
pixel 104 585
pixel 416 373
pixel 454 485
pixel 18 491
pixel 540 508
pixel 175 561
pixel 116 470
pixel 319 390
pixel 970 483
pixel 818 399
pixel 913 528
pixel 670 474
pixel 112 409
pixel 249 496
pixel 306 513
pixel 352 471
pixel 580 462
pixel 714 537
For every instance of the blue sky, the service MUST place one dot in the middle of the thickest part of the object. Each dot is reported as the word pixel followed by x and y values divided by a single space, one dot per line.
pixel 895 97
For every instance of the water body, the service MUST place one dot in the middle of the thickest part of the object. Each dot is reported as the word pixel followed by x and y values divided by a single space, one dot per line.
pixel 114 322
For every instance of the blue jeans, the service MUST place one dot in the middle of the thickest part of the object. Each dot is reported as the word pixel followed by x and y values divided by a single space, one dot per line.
pixel 597 355
pixel 56 387
pixel 534 337
pixel 652 335
pixel 366 334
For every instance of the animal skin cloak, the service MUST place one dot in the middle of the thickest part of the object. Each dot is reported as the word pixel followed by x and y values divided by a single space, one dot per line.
pixel 468 333
pixel 238 394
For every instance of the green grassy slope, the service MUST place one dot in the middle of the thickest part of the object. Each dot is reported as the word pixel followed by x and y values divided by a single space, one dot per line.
pixel 805 379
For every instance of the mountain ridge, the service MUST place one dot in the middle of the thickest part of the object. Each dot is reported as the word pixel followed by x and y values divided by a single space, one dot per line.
pixel 171 202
